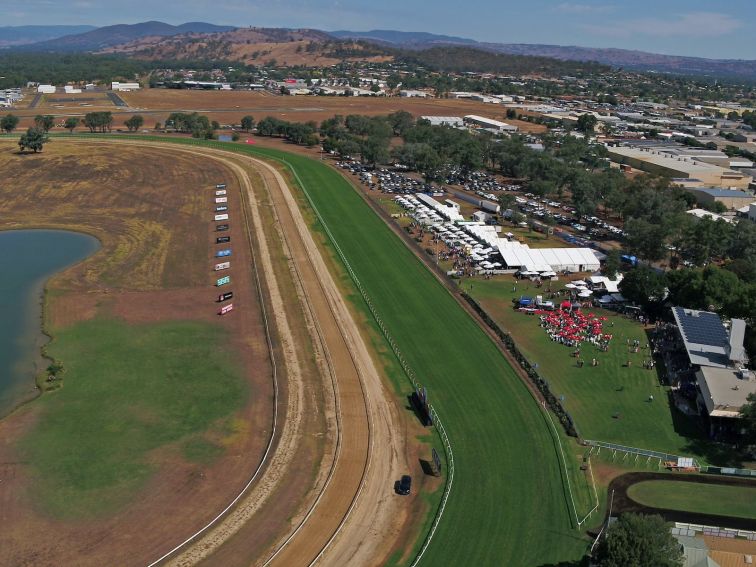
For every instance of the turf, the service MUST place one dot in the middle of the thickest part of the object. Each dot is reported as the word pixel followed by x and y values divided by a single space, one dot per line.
pixel 735 501
pixel 128 391
pixel 608 402
pixel 508 505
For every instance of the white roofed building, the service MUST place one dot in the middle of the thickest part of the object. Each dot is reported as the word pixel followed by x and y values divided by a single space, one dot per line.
pixel 117 86
pixel 453 121
pixel 521 257
pixel 489 123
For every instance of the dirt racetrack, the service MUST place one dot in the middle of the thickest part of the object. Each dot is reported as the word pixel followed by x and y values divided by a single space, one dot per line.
pixel 623 502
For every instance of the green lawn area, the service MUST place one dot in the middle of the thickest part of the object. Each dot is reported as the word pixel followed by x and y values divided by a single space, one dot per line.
pixel 508 504
pixel 128 391
pixel 694 497
pixel 595 395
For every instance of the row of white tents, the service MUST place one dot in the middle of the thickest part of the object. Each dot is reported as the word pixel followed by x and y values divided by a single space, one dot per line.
pixel 488 250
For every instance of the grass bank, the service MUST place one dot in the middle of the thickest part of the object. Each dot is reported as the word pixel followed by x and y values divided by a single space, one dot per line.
pixel 735 501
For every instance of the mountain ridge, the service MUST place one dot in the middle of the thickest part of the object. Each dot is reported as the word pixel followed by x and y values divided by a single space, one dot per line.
pixel 23 35
pixel 108 36
pixel 616 57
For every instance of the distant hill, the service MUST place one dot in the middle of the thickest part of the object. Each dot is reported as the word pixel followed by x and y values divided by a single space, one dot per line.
pixel 285 47
pixel 23 35
pixel 640 60
pixel 404 39
pixel 108 36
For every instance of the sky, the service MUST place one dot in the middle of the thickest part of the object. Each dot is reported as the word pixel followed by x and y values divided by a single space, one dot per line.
pixel 703 28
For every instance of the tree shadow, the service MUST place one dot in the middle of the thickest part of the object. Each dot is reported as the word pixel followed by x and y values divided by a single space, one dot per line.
pixel 697 442
pixel 582 562
pixel 427 467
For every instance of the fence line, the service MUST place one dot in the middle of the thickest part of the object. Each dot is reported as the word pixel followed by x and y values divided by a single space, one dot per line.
pixel 639 452
pixel 728 471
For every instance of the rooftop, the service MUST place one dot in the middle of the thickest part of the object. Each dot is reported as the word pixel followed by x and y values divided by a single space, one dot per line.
pixel 725 391
pixel 717 192
pixel 704 335
pixel 684 165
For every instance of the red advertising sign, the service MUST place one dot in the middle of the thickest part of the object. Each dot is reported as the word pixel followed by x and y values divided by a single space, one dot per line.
pixel 226 309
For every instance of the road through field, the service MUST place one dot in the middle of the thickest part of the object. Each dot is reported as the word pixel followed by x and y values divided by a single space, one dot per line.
pixel 355 519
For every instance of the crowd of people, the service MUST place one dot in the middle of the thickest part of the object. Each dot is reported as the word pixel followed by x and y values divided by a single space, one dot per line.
pixel 573 328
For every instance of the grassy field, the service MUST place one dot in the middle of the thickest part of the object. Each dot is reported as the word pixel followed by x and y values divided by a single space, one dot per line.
pixel 701 498
pixel 609 402
pixel 129 390
pixel 508 504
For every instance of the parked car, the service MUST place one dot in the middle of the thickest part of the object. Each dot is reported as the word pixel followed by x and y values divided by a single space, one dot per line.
pixel 405 485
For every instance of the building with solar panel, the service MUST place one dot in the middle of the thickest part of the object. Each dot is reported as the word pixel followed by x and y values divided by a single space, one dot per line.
pixel 718 358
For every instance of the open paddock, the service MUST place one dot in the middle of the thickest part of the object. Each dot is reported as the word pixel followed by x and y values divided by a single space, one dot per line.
pixel 228 107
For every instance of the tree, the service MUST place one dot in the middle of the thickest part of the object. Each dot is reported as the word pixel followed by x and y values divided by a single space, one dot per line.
pixel 400 122
pixel 71 123
pixel 646 238
pixel 506 201
pixel 748 413
pixel 247 123
pixel 374 150
pixel 44 122
pixel 636 540
pixel 98 121
pixel 8 123
pixel 134 123
pixel 643 285
pixel 33 139
pixel 215 125
pixel 586 123
pixel 612 264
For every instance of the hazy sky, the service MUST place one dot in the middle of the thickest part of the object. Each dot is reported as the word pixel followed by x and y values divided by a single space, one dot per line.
pixel 683 27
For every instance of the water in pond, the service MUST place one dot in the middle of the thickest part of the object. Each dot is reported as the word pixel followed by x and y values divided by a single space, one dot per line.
pixel 27 260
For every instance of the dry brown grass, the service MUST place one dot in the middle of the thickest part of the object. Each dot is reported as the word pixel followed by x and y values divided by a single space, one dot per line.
pixel 228 107
pixel 144 208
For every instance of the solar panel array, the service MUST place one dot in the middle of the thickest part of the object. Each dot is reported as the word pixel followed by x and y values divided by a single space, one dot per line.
pixel 703 328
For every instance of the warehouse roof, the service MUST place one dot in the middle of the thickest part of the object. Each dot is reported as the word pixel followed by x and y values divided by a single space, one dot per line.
pixel 717 192
pixel 662 159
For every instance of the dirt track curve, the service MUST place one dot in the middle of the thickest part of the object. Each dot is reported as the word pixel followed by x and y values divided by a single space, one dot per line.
pixel 354 518
pixel 622 502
